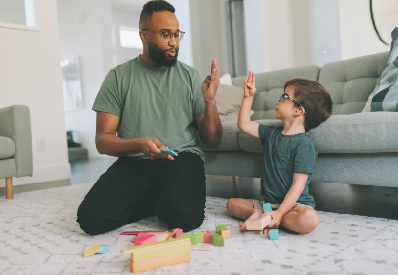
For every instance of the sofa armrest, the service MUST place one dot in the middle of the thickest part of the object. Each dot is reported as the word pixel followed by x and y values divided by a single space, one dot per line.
pixel 15 124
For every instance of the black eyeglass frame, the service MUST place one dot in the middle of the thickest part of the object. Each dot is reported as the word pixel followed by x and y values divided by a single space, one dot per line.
pixel 180 34
pixel 286 96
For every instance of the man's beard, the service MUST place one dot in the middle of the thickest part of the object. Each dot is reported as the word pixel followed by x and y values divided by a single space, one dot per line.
pixel 160 56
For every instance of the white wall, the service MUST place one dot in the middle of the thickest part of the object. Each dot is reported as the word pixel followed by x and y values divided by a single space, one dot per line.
pixel 85 31
pixel 358 37
pixel 30 74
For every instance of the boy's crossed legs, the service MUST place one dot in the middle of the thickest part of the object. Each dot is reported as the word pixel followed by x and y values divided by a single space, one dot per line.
pixel 301 219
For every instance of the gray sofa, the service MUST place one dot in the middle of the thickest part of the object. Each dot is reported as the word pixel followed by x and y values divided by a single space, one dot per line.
pixel 15 145
pixel 354 146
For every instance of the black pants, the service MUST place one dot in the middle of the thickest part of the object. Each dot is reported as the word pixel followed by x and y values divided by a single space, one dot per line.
pixel 129 190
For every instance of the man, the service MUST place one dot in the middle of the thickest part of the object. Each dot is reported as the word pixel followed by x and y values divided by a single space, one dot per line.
pixel 149 103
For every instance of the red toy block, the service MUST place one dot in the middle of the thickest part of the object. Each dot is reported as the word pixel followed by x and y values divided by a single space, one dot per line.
pixel 140 235
pixel 138 232
pixel 178 233
pixel 206 218
pixel 147 239
pixel 207 237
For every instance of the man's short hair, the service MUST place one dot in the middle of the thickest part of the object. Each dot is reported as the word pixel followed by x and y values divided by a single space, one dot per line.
pixel 315 100
pixel 154 6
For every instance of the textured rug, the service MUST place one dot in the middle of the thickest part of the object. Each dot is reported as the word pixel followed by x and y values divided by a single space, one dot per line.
pixel 39 235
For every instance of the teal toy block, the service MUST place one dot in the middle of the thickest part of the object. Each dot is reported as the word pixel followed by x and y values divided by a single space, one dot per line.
pixel 220 226
pixel 104 248
pixel 273 234
pixel 217 240
pixel 267 207
pixel 194 237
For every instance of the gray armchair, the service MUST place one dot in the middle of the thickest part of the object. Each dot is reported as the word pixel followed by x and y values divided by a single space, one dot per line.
pixel 15 145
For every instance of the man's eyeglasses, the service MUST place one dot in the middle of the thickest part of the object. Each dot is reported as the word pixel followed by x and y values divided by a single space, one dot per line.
pixel 285 96
pixel 167 35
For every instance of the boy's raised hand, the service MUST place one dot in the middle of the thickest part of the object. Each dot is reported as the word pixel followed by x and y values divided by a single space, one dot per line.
pixel 249 87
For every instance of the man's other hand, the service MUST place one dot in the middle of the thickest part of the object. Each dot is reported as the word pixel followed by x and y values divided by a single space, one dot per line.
pixel 150 147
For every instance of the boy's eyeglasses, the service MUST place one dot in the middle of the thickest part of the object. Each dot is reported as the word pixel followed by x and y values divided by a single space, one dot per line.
pixel 285 96
pixel 167 35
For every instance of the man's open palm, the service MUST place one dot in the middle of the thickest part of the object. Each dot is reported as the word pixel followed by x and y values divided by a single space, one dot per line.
pixel 210 84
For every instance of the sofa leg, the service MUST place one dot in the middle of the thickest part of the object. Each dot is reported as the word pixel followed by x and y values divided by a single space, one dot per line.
pixel 10 192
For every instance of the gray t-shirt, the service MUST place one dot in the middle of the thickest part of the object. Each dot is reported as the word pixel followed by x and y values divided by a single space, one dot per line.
pixel 160 102
pixel 284 155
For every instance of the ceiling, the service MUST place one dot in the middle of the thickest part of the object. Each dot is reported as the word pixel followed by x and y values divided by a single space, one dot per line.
pixel 128 5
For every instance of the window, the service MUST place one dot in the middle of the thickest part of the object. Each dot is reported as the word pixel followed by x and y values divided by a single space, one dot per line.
pixel 130 38
pixel 14 13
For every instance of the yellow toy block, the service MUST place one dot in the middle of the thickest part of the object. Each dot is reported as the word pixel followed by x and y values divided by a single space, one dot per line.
pixel 156 250
pixel 225 233
pixel 92 251
pixel 258 224
pixel 201 238
pixel 159 262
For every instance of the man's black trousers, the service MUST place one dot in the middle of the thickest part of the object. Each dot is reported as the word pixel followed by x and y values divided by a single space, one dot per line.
pixel 133 189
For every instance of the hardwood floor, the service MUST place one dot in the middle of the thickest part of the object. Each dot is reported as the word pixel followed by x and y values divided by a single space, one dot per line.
pixel 372 201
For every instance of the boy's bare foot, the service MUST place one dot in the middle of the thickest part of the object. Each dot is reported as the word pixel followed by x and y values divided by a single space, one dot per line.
pixel 256 214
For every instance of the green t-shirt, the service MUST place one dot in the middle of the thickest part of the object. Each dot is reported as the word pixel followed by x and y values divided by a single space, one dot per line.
pixel 284 155
pixel 160 102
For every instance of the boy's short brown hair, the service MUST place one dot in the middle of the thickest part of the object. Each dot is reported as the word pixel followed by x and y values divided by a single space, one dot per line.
pixel 315 100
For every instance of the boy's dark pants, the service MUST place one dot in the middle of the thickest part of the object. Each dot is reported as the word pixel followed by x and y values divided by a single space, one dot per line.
pixel 128 191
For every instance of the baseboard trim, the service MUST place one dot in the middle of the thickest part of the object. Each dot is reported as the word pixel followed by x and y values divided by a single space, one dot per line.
pixel 36 186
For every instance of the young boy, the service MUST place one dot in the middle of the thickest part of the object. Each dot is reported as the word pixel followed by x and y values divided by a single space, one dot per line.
pixel 289 155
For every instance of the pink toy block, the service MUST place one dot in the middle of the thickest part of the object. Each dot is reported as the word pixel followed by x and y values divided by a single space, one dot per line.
pixel 138 232
pixel 206 218
pixel 207 237
pixel 140 235
pixel 147 239
pixel 178 233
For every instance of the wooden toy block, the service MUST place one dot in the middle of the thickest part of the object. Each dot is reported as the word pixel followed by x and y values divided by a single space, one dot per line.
pixel 206 218
pixel 201 236
pixel 91 251
pixel 159 262
pixel 138 232
pixel 172 234
pixel 225 233
pixel 258 224
pixel 160 237
pixel 104 248
pixel 201 247
pixel 139 236
pixel 220 226
pixel 217 240
pixel 147 239
pixel 267 207
pixel 207 237
pixel 194 237
pixel 273 234
pixel 156 250
pixel 178 233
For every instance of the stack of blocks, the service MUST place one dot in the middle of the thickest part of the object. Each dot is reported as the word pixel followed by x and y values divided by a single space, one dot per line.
pixel 155 255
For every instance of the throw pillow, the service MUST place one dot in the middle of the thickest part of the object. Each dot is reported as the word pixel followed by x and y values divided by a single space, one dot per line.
pixel 385 95
pixel 226 79
pixel 228 100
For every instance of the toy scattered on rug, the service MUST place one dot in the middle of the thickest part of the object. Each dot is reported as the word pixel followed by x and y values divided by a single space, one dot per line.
pixel 263 222
pixel 98 249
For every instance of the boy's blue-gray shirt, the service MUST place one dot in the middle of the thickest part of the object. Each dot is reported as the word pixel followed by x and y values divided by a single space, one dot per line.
pixel 284 155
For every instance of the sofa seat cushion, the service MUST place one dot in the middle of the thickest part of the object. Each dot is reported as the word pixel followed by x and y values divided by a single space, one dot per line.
pixel 369 132
pixel 229 139
pixel 7 148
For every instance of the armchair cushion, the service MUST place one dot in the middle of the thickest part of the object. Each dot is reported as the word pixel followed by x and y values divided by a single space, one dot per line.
pixel 7 148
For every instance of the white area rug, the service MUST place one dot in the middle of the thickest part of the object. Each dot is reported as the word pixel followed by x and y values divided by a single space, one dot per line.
pixel 39 235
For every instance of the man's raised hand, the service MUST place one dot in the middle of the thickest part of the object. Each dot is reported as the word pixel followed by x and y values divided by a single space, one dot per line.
pixel 210 84
pixel 249 87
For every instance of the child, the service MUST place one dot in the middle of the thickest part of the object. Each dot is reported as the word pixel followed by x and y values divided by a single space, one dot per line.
pixel 289 155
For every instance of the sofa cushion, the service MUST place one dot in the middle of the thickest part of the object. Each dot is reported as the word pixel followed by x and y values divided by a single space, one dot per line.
pixel 366 132
pixel 350 82
pixel 228 100
pixel 270 87
pixel 7 148
pixel 229 139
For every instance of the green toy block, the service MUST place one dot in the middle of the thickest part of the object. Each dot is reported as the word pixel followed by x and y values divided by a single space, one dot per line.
pixel 217 240
pixel 267 207
pixel 194 237
pixel 220 226
pixel 273 234
pixel 201 236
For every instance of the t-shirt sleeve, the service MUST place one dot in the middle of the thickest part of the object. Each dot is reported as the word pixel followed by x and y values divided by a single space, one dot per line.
pixel 108 99
pixel 304 157
pixel 263 132
pixel 198 101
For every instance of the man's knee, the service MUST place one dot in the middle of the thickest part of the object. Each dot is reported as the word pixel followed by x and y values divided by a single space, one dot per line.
pixel 186 218
pixel 89 220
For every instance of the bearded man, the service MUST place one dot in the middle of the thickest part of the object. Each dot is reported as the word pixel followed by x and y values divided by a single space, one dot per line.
pixel 149 103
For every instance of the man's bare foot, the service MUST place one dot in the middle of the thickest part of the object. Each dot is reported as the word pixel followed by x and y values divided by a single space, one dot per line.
pixel 256 214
